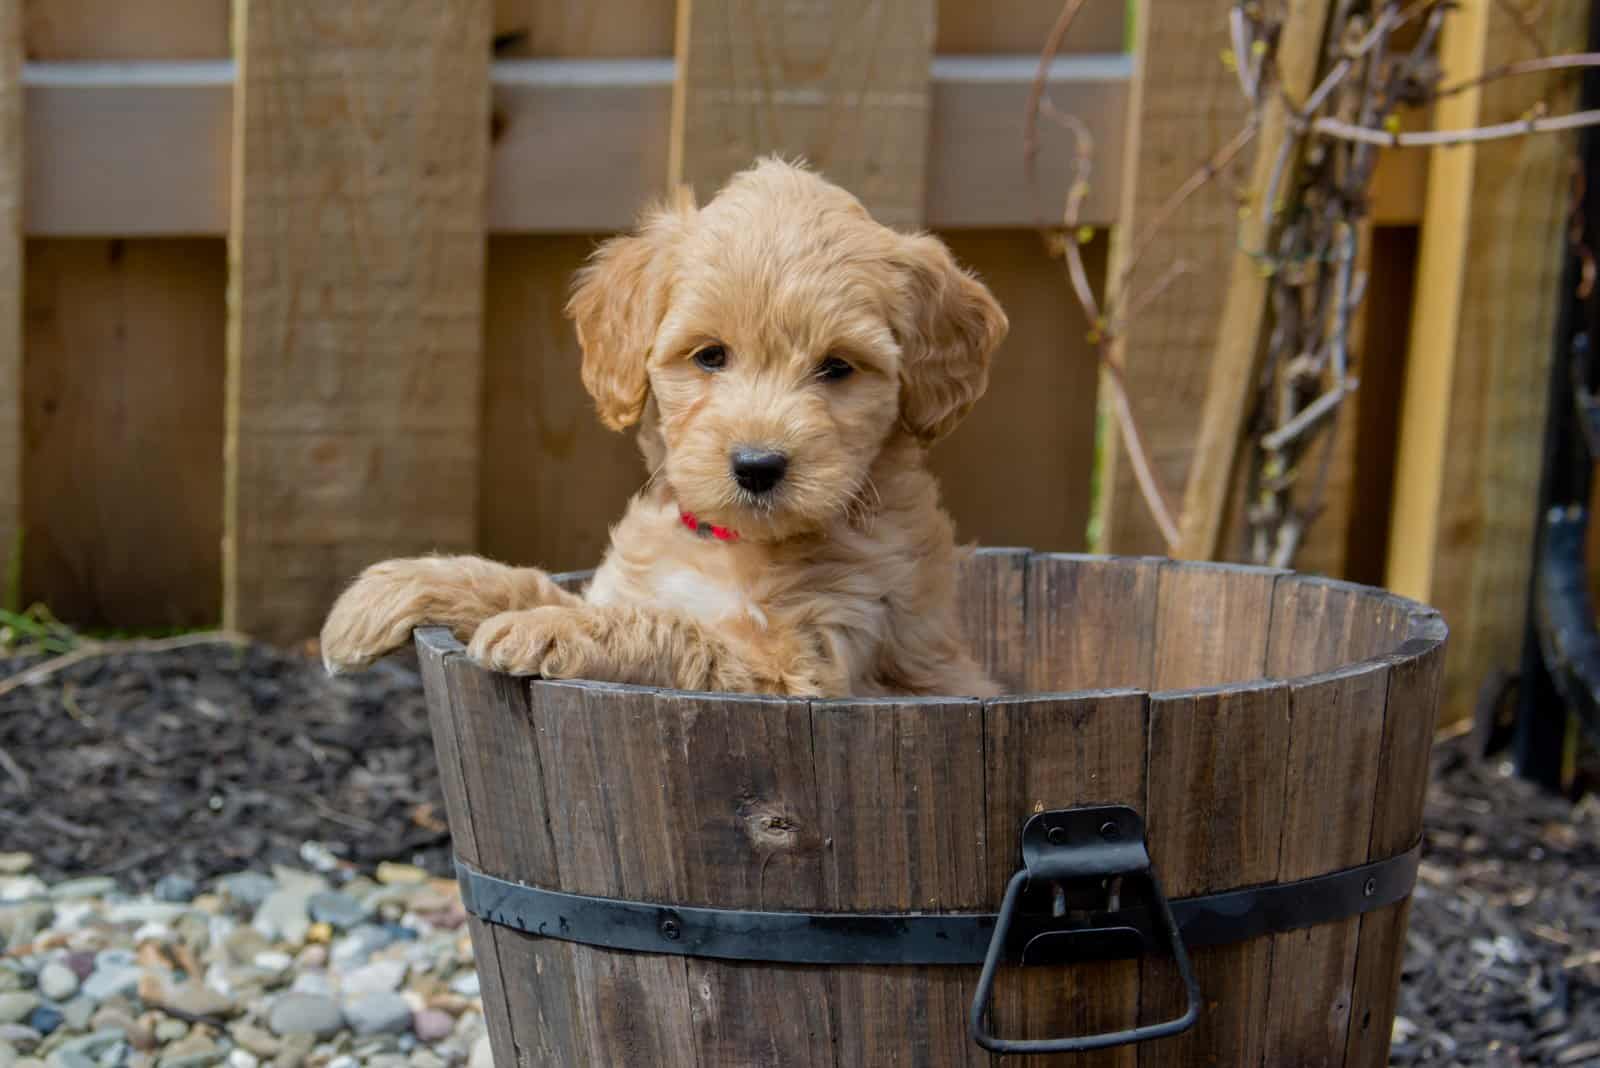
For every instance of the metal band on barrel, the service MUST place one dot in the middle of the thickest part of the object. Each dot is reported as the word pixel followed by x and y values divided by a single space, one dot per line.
pixel 909 938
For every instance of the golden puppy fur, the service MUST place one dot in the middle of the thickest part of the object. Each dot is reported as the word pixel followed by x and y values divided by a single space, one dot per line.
pixel 780 318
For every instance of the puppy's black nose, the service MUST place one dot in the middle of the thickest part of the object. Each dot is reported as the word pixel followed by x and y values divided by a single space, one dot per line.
pixel 758 470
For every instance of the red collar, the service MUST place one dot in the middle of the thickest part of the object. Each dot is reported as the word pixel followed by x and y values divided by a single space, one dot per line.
pixel 704 529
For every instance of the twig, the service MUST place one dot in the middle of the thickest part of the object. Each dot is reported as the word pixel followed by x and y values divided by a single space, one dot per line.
pixel 1052 45
pixel 1083 163
pixel 1244 61
pixel 13 769
pixel 1196 181
pixel 1155 498
pixel 1347 131
pixel 1175 271
pixel 89 650
pixel 1307 417
pixel 1527 66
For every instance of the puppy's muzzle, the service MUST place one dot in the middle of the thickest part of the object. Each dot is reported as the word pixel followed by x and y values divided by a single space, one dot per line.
pixel 758 470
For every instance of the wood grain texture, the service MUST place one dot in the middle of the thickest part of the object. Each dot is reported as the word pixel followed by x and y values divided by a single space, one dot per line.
pixel 127 29
pixel 1059 752
pixel 572 29
pixel 1016 471
pixel 915 805
pixel 843 85
pixel 1229 747
pixel 143 149
pixel 1184 106
pixel 461 697
pixel 198 29
pixel 901 795
pixel 1468 463
pixel 357 253
pixel 1410 712
pixel 553 478
pixel 11 268
pixel 123 423
pixel 1234 362
pixel 746 821
pixel 1336 730
pixel 1021 26
pixel 1212 625
pixel 1091 623
pixel 698 799
pixel 606 826
pixel 1323 625
pixel 992 600
pixel 977 174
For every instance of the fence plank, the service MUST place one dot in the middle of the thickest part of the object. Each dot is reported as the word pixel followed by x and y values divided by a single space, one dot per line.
pixel 123 408
pixel 843 85
pixel 127 29
pixel 10 297
pixel 553 477
pixel 1244 312
pixel 1034 428
pixel 357 250
pixel 1475 399
pixel 1184 105
pixel 582 29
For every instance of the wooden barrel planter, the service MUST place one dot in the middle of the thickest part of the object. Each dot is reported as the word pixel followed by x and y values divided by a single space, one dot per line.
pixel 649 869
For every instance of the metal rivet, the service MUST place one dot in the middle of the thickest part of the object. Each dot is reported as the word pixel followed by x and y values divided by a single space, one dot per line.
pixel 1371 887
pixel 670 930
pixel 1110 831
pixel 1057 836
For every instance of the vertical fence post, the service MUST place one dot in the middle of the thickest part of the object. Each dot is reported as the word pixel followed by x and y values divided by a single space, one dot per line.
pixel 1467 468
pixel 356 257
pixel 10 301
pixel 844 85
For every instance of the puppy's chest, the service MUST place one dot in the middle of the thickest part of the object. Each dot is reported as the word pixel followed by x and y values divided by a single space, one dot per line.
pixel 708 597
pixel 707 594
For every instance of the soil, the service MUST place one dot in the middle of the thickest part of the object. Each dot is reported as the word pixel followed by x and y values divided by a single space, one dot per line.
pixel 213 758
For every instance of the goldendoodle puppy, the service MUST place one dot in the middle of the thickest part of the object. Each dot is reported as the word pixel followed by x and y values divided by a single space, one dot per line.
pixel 787 361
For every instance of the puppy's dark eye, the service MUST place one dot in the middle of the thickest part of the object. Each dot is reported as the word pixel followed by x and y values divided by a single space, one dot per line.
pixel 832 369
pixel 711 358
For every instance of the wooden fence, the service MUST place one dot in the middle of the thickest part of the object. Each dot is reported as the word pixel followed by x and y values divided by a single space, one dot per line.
pixel 280 291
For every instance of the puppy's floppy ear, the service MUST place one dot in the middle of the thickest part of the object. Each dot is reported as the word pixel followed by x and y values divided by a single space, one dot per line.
pixel 949 325
pixel 618 300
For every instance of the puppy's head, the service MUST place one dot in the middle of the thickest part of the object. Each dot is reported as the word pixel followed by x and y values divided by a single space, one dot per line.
pixel 784 337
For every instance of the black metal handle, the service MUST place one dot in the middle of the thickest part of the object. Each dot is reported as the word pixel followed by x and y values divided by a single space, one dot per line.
pixel 1052 851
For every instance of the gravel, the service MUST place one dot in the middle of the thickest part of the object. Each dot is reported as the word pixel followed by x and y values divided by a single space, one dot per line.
pixel 239 975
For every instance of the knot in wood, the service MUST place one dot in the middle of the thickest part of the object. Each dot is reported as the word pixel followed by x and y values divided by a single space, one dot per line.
pixel 767 826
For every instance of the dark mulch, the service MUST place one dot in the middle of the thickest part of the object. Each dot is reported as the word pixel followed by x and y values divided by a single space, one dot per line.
pixel 211 759
pixel 1503 964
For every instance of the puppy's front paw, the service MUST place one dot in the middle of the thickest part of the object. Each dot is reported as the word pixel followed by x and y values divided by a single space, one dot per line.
pixel 376 613
pixel 554 641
